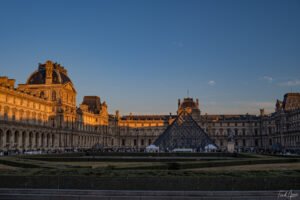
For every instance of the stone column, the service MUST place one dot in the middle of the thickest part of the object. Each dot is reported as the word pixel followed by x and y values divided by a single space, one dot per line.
pixel 5 144
pixel 56 140
pixel 67 140
pixel 80 138
pixel 33 141
pixel 26 145
pixel 38 144
pixel 41 140
pixel 45 141
pixel 11 140
pixel 3 139
pixel 62 140
pixel 83 140
pixel 53 136
pixel 59 140
pixel 20 141
pixel 50 141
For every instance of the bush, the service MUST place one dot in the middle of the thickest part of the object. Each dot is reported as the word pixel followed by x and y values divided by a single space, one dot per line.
pixel 173 166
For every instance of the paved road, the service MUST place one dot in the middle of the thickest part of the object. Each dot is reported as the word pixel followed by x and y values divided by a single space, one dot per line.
pixel 49 194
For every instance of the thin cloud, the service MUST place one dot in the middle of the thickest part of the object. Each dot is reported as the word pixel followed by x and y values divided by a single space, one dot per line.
pixel 238 107
pixel 290 83
pixel 254 106
pixel 211 82
pixel 178 43
pixel 268 78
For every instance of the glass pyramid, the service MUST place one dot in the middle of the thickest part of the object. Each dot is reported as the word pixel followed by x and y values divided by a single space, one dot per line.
pixel 183 133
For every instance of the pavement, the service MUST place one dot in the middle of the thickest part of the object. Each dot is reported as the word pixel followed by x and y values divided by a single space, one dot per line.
pixel 57 194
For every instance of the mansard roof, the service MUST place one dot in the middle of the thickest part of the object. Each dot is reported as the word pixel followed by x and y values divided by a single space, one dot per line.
pixel 147 117
pixel 189 103
pixel 228 117
pixel 291 101
pixel 93 103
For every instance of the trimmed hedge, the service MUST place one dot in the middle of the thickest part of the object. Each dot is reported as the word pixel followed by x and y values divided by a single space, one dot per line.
pixel 117 159
pixel 151 183
pixel 215 164
pixel 18 164
pixel 143 154
pixel 217 154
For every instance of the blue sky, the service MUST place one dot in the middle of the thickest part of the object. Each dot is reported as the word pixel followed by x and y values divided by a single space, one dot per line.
pixel 141 56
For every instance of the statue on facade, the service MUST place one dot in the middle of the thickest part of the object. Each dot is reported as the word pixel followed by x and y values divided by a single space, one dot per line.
pixel 230 137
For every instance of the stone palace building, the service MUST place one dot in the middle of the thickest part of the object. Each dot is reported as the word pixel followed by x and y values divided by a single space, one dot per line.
pixel 42 114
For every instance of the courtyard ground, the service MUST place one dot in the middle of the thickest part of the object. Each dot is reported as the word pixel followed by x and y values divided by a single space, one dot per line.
pixel 141 171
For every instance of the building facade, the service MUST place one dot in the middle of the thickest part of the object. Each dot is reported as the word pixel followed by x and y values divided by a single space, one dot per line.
pixel 42 114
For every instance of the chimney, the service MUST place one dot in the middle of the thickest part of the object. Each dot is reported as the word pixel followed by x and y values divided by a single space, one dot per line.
pixel 49 71
pixel 11 83
pixel 117 114
pixel 178 103
pixel 262 112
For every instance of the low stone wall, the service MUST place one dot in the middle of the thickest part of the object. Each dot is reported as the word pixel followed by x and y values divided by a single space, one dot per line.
pixel 33 194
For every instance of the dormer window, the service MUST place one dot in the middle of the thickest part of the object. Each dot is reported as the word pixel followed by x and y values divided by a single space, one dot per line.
pixel 42 94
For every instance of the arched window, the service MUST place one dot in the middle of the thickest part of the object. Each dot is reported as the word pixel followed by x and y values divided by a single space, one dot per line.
pixel 53 140
pixel 42 94
pixel 134 142
pixel 36 139
pixel 21 115
pixel 6 110
pixel 23 138
pixel 8 136
pixel 30 139
pixel 16 138
pixel 236 132
pixel 53 96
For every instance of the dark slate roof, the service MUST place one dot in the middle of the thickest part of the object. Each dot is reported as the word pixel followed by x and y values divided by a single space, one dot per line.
pixel 188 103
pixel 39 77
pixel 231 117
pixel 291 101
pixel 147 117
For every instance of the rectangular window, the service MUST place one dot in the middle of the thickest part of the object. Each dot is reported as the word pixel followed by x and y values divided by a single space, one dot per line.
pixel 236 132
pixel 256 142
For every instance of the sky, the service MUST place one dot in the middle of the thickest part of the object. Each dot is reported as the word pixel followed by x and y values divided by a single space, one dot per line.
pixel 140 56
